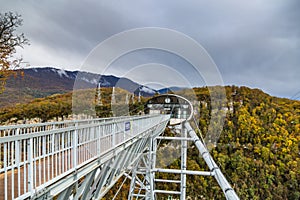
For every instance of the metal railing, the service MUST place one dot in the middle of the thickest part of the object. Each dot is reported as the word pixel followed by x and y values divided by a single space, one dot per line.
pixel 38 127
pixel 37 155
pixel 220 178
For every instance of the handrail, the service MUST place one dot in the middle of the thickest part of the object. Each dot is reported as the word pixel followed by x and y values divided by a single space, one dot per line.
pixel 10 130
pixel 223 183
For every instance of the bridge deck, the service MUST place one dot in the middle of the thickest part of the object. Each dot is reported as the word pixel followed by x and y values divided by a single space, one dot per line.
pixel 33 157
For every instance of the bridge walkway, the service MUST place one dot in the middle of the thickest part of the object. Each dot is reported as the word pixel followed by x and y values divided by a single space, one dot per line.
pixel 39 159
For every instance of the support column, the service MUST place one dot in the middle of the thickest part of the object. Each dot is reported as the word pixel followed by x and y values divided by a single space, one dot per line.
pixel 152 162
pixel 183 163
pixel 148 176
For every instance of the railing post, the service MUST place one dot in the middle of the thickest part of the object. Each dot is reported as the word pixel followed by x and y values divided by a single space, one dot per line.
pixel 44 156
pixel 17 154
pixel 52 154
pixel 5 171
pixel 114 134
pixel 183 163
pixel 98 140
pixel 62 164
pixel 30 167
pixel 153 148
pixel 75 141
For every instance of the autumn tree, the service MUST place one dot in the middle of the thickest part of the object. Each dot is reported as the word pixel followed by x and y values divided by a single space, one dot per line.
pixel 9 42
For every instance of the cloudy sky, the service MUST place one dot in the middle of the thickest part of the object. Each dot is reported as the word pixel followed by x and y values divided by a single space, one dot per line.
pixel 254 43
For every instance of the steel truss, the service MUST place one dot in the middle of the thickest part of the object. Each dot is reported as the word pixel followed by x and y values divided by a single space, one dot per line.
pixel 143 177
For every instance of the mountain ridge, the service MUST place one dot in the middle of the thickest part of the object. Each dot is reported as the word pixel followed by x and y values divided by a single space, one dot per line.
pixel 45 81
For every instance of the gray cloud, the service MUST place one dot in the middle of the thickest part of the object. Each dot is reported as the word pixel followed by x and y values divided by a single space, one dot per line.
pixel 254 43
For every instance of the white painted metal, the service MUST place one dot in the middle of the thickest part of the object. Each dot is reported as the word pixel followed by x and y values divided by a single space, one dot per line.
pixel 167 181
pixel 183 163
pixel 214 170
pixel 174 138
pixel 142 178
pixel 223 183
pixel 181 171
pixel 55 156
pixel 167 192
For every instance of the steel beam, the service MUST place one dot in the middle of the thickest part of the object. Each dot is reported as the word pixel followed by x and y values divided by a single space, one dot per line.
pixel 223 183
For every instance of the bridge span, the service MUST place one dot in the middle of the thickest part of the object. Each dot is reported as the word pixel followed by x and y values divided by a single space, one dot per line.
pixel 84 159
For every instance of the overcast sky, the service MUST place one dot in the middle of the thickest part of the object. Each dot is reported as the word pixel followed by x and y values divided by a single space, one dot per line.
pixel 254 43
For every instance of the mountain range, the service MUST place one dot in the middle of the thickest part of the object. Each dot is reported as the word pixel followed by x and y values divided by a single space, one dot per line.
pixel 42 82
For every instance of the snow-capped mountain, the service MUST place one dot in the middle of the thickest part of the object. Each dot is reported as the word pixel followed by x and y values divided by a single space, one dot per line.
pixel 41 82
pixel 170 89
pixel 146 91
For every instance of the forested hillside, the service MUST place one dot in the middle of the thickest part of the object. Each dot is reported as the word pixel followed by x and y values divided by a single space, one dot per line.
pixel 59 106
pixel 258 150
pixel 259 146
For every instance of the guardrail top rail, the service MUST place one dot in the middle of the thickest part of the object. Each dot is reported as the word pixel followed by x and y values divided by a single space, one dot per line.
pixel 19 129
pixel 33 156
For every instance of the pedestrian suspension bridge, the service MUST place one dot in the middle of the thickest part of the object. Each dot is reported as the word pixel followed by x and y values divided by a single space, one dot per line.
pixel 84 159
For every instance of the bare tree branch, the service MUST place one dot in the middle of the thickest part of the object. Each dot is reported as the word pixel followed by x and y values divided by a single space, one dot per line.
pixel 9 41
